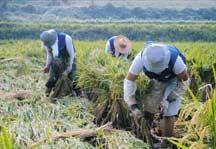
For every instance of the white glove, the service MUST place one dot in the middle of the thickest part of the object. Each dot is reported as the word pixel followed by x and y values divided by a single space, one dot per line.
pixel 186 84
pixel 136 113
pixel 164 106
pixel 65 73
pixel 180 89
pixel 129 92
pixel 69 68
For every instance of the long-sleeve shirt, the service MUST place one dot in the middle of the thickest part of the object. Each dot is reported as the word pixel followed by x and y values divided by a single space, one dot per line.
pixel 55 52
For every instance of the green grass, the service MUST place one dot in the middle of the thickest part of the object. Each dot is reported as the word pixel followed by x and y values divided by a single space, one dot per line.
pixel 36 118
pixel 158 31
pixel 5 141
pixel 13 25
pixel 21 62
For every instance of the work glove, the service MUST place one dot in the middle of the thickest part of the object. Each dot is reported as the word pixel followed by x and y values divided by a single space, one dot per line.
pixel 164 106
pixel 136 113
pixel 65 73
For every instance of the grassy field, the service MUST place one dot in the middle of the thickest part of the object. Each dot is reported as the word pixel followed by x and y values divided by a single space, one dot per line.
pixel 154 31
pixel 24 123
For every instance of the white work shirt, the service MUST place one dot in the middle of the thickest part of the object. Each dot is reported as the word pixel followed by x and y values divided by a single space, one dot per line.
pixel 137 65
pixel 55 52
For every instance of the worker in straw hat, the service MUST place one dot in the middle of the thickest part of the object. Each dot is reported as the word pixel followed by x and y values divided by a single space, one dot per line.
pixel 118 46
pixel 60 57
pixel 166 66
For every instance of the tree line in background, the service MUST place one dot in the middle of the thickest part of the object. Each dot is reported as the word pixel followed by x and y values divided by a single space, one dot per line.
pixel 108 11
pixel 101 31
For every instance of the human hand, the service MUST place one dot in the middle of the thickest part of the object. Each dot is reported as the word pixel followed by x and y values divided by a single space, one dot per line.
pixel 136 113
pixel 164 106
pixel 65 73
pixel 46 69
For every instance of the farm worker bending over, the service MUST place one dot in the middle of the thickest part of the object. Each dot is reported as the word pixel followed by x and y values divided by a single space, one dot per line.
pixel 166 66
pixel 118 46
pixel 60 57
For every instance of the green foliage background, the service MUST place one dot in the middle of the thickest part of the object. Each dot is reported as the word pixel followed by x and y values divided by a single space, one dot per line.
pixel 155 31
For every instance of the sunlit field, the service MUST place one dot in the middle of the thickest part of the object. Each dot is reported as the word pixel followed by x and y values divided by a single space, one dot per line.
pixel 38 123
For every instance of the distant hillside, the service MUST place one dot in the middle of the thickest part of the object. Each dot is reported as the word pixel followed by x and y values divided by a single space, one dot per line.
pixel 170 4
pixel 94 10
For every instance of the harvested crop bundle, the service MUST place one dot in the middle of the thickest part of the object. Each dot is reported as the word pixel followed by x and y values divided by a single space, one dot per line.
pixel 104 76
pixel 101 77
pixel 63 87
pixel 141 128
pixel 114 111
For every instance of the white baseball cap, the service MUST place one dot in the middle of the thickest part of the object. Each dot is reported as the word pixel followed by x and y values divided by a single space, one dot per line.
pixel 156 57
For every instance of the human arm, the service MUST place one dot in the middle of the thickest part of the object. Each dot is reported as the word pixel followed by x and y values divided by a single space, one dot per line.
pixel 176 88
pixel 107 47
pixel 130 83
pixel 48 61
pixel 130 89
pixel 180 69
pixel 71 52
pixel 129 94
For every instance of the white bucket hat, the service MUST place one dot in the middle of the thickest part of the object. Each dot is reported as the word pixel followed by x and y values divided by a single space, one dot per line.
pixel 122 44
pixel 156 57
pixel 48 37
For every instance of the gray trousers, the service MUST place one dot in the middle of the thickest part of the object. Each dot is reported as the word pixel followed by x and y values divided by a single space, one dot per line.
pixel 169 92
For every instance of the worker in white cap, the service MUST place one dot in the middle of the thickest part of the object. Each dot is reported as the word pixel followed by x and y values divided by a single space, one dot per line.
pixel 166 66
pixel 118 46
pixel 60 57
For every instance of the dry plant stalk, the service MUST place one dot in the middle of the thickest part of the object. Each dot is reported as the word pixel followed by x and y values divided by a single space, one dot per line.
pixel 142 128
pixel 82 133
pixel 63 87
pixel 17 95
pixel 113 111
pixel 7 60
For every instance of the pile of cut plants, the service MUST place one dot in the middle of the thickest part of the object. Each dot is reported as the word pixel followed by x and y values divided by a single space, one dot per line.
pixel 28 119
pixel 102 76
pixel 102 120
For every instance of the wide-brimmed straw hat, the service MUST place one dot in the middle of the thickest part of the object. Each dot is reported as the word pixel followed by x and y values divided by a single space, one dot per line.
pixel 156 57
pixel 48 37
pixel 122 44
